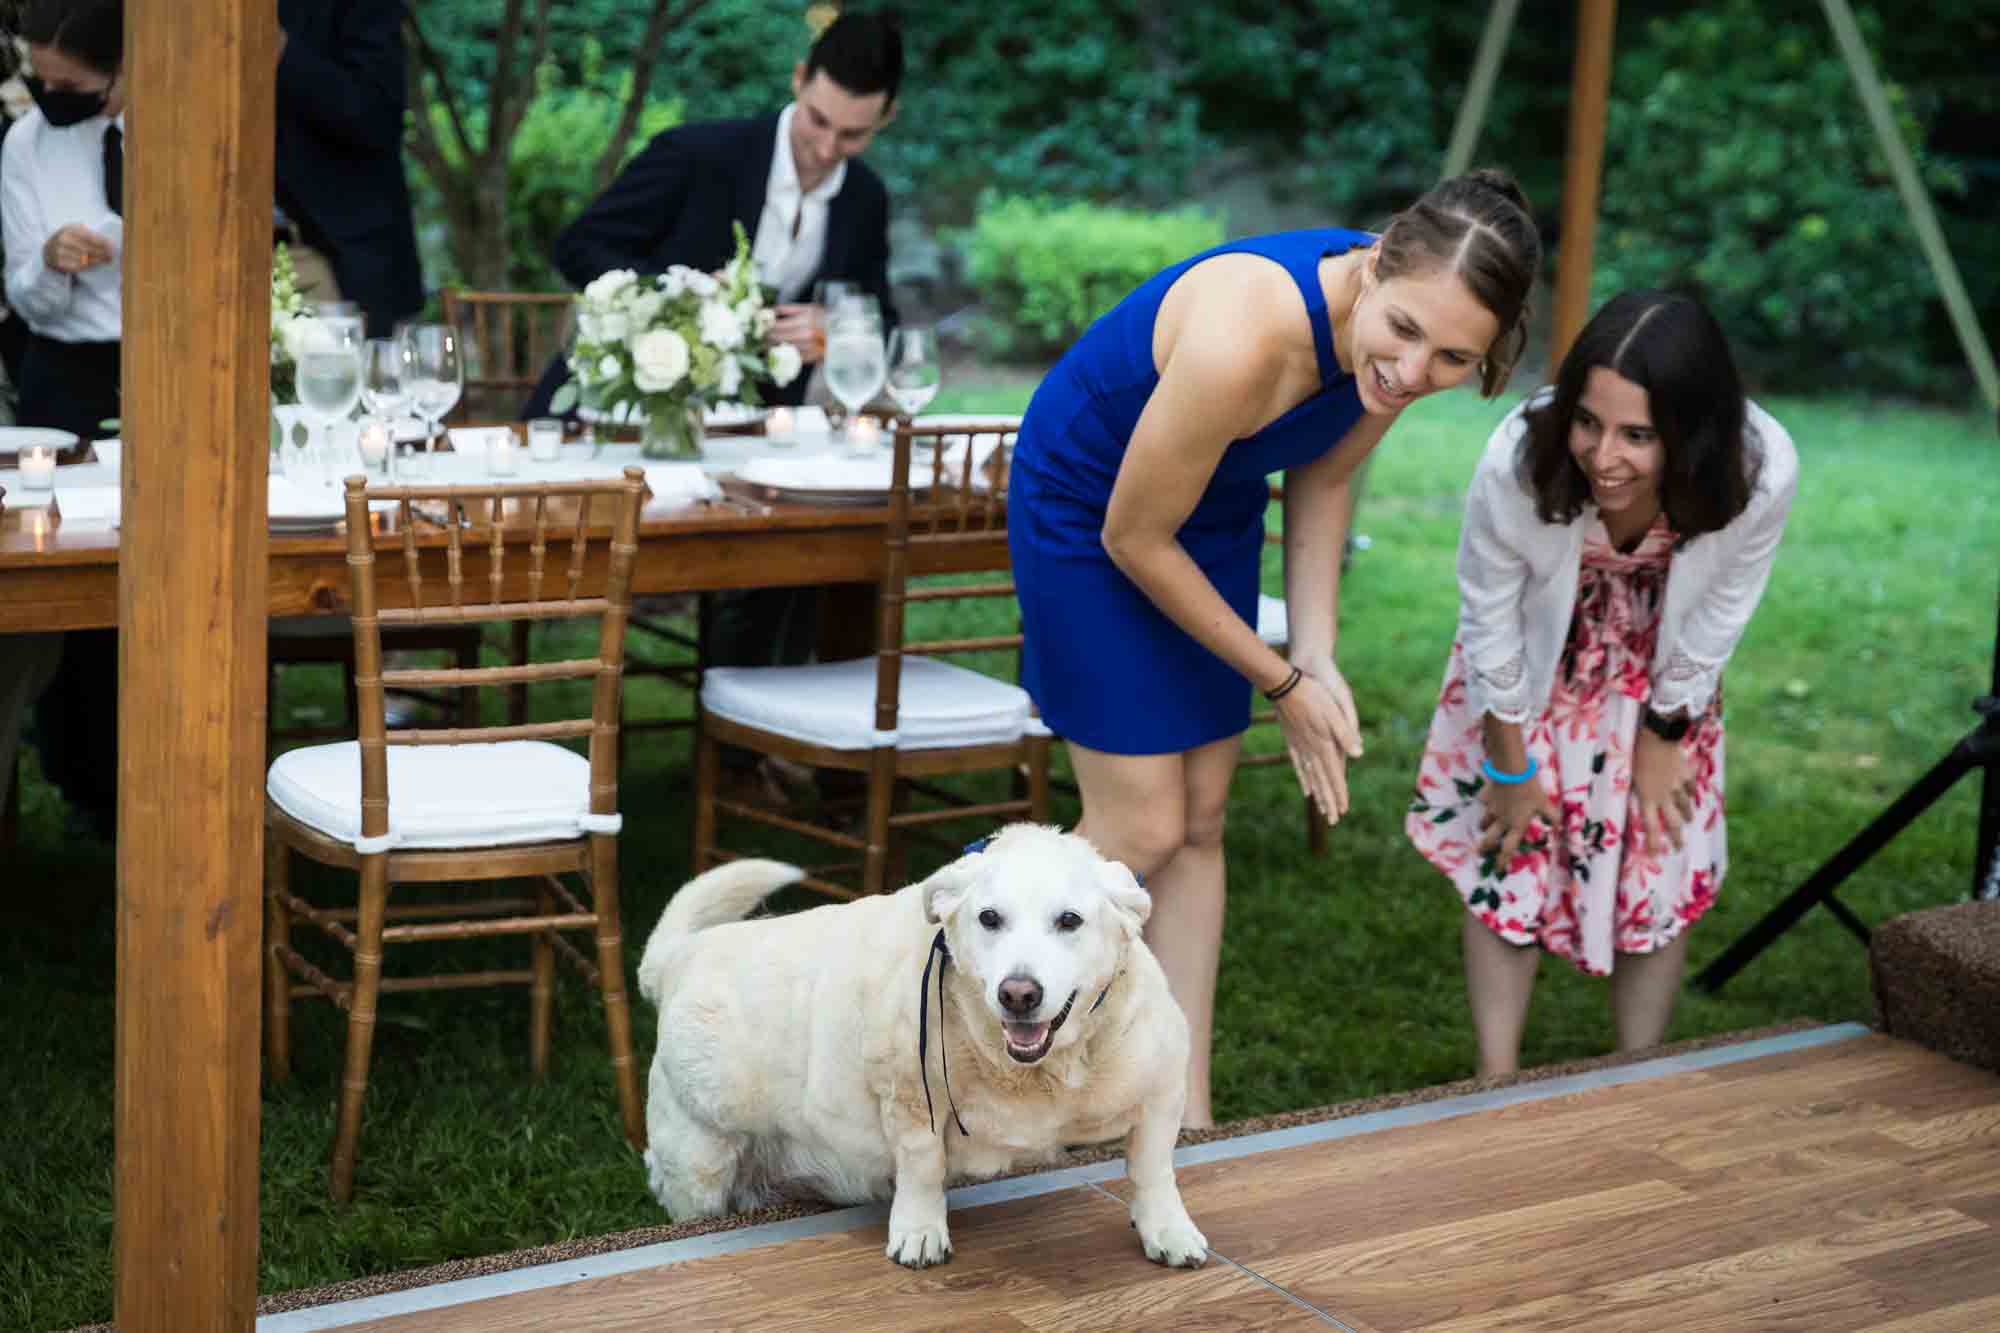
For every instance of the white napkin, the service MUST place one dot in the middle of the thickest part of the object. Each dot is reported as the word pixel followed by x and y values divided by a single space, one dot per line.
pixel 19 496
pixel 93 505
pixel 291 502
pixel 680 484
pixel 474 439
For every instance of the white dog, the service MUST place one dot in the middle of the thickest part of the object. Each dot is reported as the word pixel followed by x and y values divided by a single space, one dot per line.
pixel 789 1046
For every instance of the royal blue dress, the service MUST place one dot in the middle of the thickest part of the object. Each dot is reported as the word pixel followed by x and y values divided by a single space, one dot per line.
pixel 1106 667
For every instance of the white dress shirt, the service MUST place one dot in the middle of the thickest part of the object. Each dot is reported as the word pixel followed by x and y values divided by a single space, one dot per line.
pixel 791 232
pixel 50 178
pixel 1517 580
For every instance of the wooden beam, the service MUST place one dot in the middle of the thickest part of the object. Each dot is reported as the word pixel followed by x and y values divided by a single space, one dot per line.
pixel 191 660
pixel 1583 169
pixel 1916 200
pixel 1479 91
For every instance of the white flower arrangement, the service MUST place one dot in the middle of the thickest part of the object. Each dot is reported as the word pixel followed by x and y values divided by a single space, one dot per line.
pixel 670 342
pixel 294 329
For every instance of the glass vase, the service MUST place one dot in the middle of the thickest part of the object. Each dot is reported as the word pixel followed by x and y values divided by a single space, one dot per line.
pixel 673 432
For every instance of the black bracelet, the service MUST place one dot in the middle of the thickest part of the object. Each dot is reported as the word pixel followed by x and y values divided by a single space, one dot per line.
pixel 1278 692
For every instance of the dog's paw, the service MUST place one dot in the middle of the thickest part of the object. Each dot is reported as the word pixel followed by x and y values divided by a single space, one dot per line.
pixel 1173 1241
pixel 920 1246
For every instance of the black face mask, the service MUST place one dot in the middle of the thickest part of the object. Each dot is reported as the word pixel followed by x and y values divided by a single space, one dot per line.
pixel 64 108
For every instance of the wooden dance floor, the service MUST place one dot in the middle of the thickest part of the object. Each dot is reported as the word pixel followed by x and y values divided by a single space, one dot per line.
pixel 1829 1179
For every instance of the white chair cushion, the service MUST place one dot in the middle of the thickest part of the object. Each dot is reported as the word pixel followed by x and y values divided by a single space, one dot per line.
pixel 833 703
pixel 441 795
pixel 1273 623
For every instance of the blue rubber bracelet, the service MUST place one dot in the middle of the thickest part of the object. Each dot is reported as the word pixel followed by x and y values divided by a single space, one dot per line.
pixel 1509 779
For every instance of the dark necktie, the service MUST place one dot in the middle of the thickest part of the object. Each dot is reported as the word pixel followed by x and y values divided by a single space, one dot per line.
pixel 114 169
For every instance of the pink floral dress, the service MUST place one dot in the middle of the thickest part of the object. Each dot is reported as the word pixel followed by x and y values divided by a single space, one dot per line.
pixel 1590 891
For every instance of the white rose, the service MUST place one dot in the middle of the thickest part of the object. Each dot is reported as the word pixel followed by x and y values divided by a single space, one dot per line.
pixel 702 284
pixel 720 327
pixel 675 280
pixel 605 288
pixel 612 327
pixel 784 362
pixel 729 377
pixel 659 360
pixel 302 334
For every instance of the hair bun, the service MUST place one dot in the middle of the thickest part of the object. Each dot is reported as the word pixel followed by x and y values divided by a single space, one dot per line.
pixel 1502 183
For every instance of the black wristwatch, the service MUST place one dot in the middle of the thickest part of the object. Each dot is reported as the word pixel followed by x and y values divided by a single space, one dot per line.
pixel 1666 728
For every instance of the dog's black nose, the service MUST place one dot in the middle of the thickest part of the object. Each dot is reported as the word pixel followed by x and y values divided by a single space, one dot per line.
pixel 1020 995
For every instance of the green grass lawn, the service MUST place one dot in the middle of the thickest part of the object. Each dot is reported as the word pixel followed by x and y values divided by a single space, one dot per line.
pixel 1340 976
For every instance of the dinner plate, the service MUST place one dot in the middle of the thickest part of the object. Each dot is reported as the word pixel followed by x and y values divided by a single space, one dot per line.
pixel 13 439
pixel 828 477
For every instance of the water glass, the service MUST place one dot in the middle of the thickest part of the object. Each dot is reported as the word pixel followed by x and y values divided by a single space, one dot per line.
pixel 914 370
pixel 855 363
pixel 545 439
pixel 329 384
pixel 385 377
pixel 437 373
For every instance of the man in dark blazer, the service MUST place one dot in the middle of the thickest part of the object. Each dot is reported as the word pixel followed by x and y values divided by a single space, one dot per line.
pixel 340 183
pixel 678 201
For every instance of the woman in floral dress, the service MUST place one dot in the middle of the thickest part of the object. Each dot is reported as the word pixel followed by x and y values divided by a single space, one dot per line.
pixel 1618 535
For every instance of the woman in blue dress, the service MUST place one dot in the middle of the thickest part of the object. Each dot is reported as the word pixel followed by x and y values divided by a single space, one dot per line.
pixel 1136 519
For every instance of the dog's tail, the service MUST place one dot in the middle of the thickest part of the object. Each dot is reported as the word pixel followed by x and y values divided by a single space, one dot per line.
pixel 726 893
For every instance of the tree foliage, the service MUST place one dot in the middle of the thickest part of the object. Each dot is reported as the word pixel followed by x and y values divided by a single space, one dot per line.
pixel 1740 165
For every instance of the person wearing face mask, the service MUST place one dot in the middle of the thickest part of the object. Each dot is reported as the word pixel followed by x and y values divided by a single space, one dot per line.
pixel 61 197
pixel 1136 521
pixel 1618 535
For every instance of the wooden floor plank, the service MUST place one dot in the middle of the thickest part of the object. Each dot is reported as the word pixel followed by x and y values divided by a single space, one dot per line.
pixel 1978 1316
pixel 1800 1276
pixel 1066 1260
pixel 1851 1185
pixel 1953 1270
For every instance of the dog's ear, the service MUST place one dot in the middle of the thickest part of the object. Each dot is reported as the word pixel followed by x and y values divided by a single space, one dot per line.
pixel 945 890
pixel 1122 890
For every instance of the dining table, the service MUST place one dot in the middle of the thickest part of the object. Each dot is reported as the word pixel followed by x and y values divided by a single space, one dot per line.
pixel 59 562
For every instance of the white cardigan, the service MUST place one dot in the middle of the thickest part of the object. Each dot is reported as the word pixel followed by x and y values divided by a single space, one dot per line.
pixel 1517 581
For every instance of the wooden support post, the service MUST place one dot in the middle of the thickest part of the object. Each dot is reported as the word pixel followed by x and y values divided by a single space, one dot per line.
pixel 1583 169
pixel 191 610
pixel 1479 91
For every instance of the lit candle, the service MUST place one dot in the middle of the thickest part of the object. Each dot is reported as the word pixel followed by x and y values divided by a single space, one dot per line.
pixel 374 444
pixel 38 469
pixel 863 434
pixel 545 439
pixel 500 453
pixel 779 427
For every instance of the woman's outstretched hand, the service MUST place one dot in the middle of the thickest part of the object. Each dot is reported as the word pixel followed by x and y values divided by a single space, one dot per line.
pixel 1662 791
pixel 1321 734
pixel 1510 808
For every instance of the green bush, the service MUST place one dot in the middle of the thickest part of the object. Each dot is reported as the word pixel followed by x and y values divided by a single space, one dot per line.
pixel 1740 165
pixel 1045 268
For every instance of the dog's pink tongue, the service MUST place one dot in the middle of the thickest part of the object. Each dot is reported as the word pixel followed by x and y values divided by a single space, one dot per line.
pixel 1026 1036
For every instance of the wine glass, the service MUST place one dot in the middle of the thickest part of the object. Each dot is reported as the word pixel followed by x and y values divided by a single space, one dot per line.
pixel 914 372
pixel 385 376
pixel 855 363
pixel 329 380
pixel 436 375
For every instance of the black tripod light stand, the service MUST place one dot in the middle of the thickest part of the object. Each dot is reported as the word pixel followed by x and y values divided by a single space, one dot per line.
pixel 1980 749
